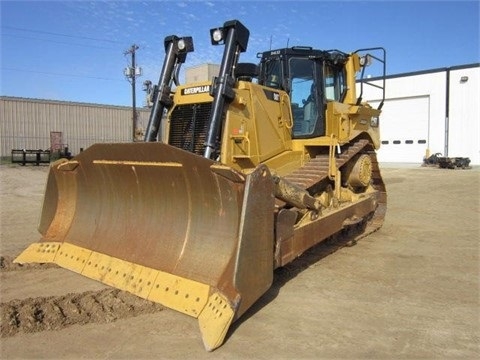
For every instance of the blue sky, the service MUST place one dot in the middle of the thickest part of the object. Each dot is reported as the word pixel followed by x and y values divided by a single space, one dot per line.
pixel 74 50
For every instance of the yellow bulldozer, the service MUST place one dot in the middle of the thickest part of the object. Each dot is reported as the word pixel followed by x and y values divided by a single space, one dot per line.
pixel 236 177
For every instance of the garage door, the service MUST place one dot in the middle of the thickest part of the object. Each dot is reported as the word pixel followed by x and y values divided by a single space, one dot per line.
pixel 404 129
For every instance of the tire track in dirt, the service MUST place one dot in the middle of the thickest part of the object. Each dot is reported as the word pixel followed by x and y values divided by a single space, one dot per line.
pixel 7 264
pixel 57 312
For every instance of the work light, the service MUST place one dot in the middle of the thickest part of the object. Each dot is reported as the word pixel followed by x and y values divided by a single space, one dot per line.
pixel 216 36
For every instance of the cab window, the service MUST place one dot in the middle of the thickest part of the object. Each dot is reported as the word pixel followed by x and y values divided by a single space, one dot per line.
pixel 335 84
pixel 303 96
pixel 273 74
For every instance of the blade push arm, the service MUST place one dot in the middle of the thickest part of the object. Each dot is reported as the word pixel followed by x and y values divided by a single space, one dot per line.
pixel 235 37
pixel 176 50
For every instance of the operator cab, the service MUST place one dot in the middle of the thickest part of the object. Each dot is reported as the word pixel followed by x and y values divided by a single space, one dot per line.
pixel 311 78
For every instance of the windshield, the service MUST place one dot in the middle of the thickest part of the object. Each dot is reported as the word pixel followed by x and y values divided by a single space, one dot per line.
pixel 303 96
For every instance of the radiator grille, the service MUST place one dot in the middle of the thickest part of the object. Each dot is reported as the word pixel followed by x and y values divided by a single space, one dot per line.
pixel 189 126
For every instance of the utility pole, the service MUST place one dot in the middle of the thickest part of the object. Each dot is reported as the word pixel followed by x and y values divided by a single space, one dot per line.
pixel 131 73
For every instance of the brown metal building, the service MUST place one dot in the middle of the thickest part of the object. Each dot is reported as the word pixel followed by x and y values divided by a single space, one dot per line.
pixel 46 124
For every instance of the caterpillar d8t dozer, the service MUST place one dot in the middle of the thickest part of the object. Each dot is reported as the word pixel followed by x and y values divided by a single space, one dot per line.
pixel 236 177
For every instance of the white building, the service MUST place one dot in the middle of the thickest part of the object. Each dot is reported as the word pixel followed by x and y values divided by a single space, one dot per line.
pixel 432 111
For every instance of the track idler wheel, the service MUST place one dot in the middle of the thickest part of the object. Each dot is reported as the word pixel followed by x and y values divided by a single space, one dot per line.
pixel 358 172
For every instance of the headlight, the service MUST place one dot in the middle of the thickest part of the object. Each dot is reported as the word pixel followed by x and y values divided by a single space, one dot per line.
pixel 181 44
pixel 216 36
pixel 366 60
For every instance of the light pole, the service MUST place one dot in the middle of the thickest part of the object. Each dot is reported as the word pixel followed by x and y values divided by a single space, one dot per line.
pixel 131 73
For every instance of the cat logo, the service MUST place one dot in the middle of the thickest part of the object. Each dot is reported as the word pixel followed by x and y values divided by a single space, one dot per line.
pixel 196 90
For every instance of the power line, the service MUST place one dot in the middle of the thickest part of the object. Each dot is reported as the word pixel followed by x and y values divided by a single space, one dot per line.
pixel 59 74
pixel 59 42
pixel 59 34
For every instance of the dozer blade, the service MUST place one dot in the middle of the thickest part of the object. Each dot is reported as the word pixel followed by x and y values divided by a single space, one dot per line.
pixel 164 224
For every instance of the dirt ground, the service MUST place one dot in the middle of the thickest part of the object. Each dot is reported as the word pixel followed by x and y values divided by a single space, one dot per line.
pixel 408 291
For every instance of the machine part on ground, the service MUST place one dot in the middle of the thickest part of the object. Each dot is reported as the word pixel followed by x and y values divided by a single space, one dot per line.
pixel 244 177
pixel 454 163
pixel 443 162
pixel 28 156
pixel 431 160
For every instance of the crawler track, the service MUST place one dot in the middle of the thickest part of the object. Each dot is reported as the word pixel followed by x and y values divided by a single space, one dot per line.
pixel 316 170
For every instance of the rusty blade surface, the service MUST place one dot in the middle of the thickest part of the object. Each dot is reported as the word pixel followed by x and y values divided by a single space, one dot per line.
pixel 164 224
pixel 149 204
